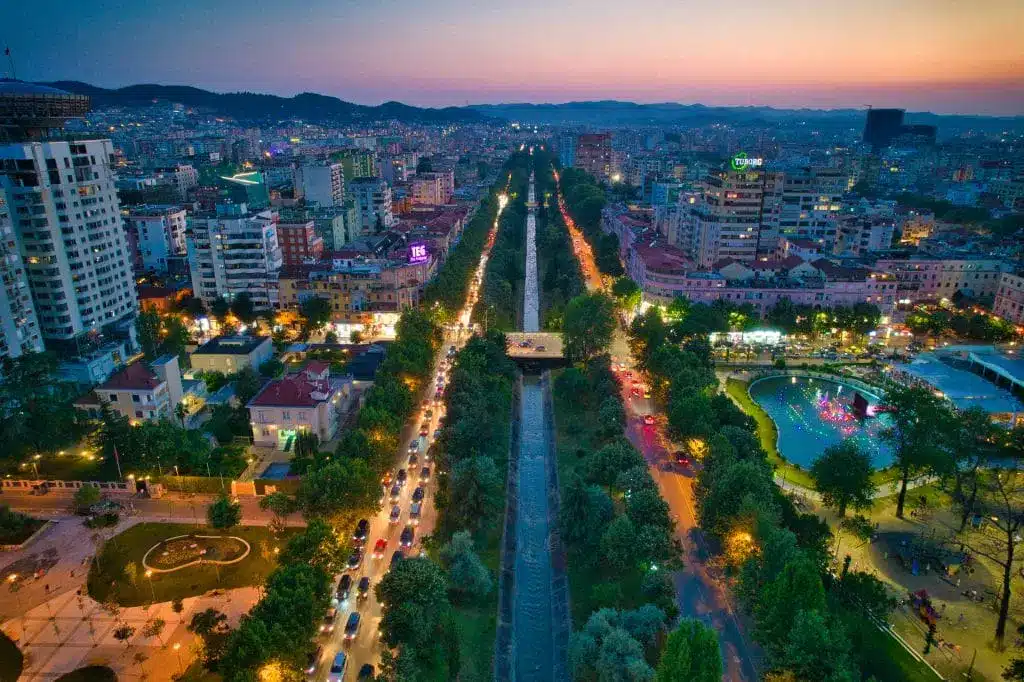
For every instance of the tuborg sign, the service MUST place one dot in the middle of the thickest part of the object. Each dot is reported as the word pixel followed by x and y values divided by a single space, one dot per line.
pixel 741 162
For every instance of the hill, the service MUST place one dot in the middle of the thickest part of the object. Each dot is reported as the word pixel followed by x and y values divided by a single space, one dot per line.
pixel 251 106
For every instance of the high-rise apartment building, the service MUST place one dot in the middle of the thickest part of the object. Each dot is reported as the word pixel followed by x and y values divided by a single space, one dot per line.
pixel 235 251
pixel 157 234
pixel 373 201
pixel 321 185
pixel 567 150
pixel 358 163
pixel 735 215
pixel 811 201
pixel 432 188
pixel 66 213
pixel 19 329
pixel 594 154
pixel 882 126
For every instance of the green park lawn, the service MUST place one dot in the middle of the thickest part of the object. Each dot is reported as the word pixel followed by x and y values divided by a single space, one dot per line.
pixel 11 659
pixel 118 573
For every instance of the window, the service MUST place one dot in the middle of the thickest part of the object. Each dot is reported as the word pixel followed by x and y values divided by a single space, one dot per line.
pixel 138 413
pixel 135 397
pixel 113 397
pixel 286 415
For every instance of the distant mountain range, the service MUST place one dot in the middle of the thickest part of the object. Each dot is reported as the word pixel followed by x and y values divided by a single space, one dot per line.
pixel 250 106
pixel 612 112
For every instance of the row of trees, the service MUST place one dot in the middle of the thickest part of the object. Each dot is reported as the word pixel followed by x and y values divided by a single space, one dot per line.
pixel 558 270
pixel 811 626
pixel 421 597
pixel 448 289
pixel 965 324
pixel 506 267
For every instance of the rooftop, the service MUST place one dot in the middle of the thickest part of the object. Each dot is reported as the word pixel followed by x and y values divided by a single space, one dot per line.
pixel 231 345
pixel 135 376
pixel 961 387
pixel 293 390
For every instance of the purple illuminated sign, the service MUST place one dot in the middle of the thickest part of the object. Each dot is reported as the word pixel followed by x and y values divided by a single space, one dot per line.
pixel 418 253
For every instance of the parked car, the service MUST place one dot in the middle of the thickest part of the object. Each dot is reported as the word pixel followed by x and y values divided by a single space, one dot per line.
pixel 329 617
pixel 407 538
pixel 344 587
pixel 362 530
pixel 355 559
pixel 337 672
pixel 312 659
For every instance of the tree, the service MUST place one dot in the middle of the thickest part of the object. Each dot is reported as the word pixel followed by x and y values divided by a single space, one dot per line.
pixel 1001 499
pixel 414 600
pixel 817 650
pixel 626 293
pixel 154 628
pixel 306 447
pixel 797 588
pixel 123 633
pixel 423 165
pixel 318 545
pixel 588 326
pixel 475 492
pixel 618 545
pixel 207 622
pixel 247 384
pixel 86 496
pixel 271 368
pixel 147 324
pixel 972 445
pixel 220 309
pixel 243 308
pixel 223 513
pixel 919 420
pixel 468 578
pixel 340 486
pixel 691 653
pixel 316 312
pixel 176 339
pixel 281 504
pixel 843 477
pixel 585 512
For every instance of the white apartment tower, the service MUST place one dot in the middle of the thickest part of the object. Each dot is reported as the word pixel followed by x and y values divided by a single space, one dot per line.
pixel 234 252
pixel 19 329
pixel 159 234
pixel 373 201
pixel 67 218
pixel 321 184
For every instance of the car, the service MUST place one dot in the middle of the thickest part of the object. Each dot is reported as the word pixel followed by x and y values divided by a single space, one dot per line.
pixel 355 559
pixel 635 392
pixel 437 433
pixel 378 549
pixel 366 673
pixel 396 513
pixel 402 476
pixel 424 430
pixel 408 536
pixel 540 349
pixel 682 458
pixel 312 659
pixel 429 414
pixel 414 446
pixel 363 590
pixel 413 460
pixel 425 404
pixel 424 474
pixel 525 344
pixel 344 587
pixel 648 420
pixel 414 513
pixel 338 666
pixel 396 491
pixel 417 495
pixel 438 394
pixel 352 625
pixel 362 530
pixel 451 349
pixel 396 556
pixel 329 618
pixel 386 479
pixel 647 393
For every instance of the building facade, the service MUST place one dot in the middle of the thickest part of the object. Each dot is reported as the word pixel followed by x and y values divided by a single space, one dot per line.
pixel 19 328
pixel 594 154
pixel 157 233
pixel 373 202
pixel 66 215
pixel 234 252
pixel 320 185
pixel 1009 302
pixel 299 242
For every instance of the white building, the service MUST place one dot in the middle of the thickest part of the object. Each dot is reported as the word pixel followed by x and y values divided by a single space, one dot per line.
pixel 139 392
pixel 309 400
pixel 235 252
pixel 19 328
pixel 66 214
pixel 1009 302
pixel 159 234
pixel 320 184
pixel 860 235
pixel 373 201
pixel 937 278
pixel 735 216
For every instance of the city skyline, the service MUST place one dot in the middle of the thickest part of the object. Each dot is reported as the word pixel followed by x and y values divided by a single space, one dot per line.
pixel 940 57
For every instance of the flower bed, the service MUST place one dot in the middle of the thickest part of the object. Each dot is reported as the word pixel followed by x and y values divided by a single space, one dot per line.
pixel 178 552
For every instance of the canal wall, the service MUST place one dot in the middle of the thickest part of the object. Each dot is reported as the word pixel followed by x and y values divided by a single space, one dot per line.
pixel 503 649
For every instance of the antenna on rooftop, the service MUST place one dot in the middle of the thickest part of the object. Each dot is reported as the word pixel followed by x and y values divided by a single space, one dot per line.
pixel 10 61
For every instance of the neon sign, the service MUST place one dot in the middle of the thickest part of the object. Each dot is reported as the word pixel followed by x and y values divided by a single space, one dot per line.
pixel 741 162
pixel 418 253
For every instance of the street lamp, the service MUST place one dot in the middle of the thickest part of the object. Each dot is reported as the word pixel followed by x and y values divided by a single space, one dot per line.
pixel 152 590
pixel 177 650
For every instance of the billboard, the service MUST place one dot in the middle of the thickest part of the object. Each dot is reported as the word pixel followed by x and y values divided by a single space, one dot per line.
pixel 418 253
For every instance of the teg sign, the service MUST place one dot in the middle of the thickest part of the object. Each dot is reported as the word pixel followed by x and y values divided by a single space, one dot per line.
pixel 418 253
pixel 742 162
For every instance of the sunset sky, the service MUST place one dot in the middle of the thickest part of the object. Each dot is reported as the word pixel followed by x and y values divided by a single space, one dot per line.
pixel 939 55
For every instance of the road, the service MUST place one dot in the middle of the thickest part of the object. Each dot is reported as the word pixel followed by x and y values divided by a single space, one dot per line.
pixel 365 647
